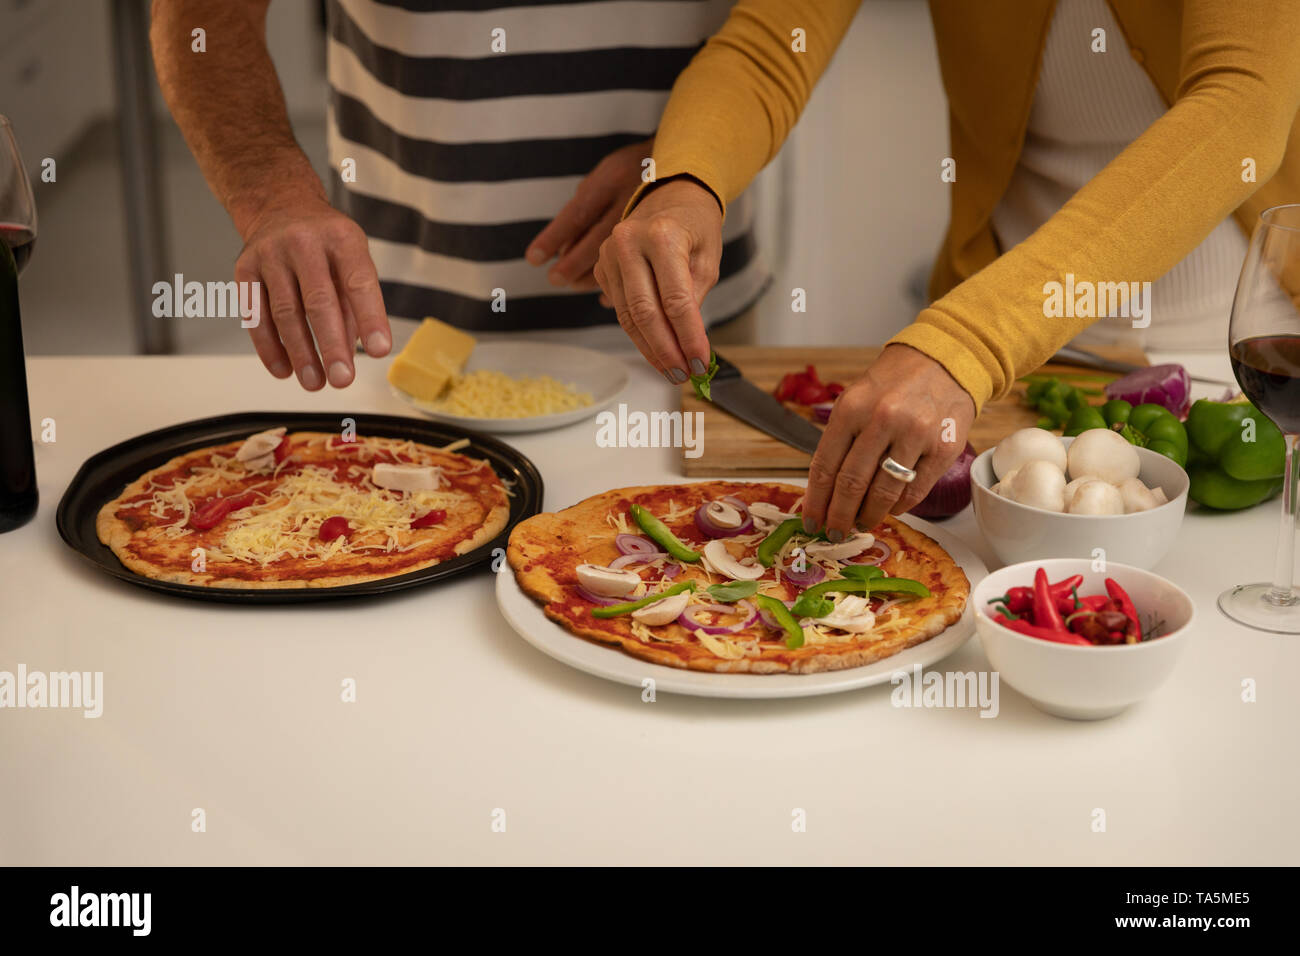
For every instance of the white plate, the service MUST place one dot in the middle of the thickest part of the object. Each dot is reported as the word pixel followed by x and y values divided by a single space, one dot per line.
pixel 601 375
pixel 526 616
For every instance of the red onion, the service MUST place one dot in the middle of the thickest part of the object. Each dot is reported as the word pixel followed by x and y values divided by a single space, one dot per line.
pixel 633 544
pixel 687 617
pixel 1166 385
pixel 822 411
pixel 596 598
pixel 708 527
pixel 885 552
pixel 810 575
pixel 618 564
pixel 671 570
pixel 951 493
pixel 736 503
pixel 770 621
pixel 887 605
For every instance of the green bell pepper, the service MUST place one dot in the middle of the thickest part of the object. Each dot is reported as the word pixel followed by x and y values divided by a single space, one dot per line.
pixel 1237 456
pixel 662 535
pixel 1147 426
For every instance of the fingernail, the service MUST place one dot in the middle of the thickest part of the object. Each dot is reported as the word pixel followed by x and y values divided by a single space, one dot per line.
pixel 309 377
pixel 698 367
pixel 835 535
pixel 535 256
pixel 379 343
pixel 281 369
pixel 808 526
pixel 676 376
pixel 340 375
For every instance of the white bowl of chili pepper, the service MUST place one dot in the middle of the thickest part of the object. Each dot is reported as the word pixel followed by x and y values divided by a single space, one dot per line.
pixel 1077 642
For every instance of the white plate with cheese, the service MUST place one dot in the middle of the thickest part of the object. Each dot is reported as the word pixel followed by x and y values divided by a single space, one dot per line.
pixel 505 386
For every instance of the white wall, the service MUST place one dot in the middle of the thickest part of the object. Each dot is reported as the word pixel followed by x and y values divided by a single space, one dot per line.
pixel 867 206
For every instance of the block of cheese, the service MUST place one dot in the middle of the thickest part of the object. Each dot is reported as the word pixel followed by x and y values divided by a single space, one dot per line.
pixel 435 354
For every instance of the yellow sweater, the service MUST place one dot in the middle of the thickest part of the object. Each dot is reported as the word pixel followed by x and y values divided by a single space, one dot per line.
pixel 1229 69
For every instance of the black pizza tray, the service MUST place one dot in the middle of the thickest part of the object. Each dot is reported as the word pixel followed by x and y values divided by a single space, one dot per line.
pixel 104 475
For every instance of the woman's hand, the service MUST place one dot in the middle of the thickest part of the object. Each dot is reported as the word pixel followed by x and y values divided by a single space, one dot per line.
pixel 906 407
pixel 656 267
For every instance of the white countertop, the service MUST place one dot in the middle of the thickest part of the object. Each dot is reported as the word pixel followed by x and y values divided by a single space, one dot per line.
pixel 238 711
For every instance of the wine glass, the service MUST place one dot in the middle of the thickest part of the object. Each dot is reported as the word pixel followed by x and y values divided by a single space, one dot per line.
pixel 1264 344
pixel 17 207
pixel 18 492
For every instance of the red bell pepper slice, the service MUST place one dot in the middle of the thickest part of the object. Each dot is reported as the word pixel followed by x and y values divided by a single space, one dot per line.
pixel 209 514
pixel 430 518
pixel 282 450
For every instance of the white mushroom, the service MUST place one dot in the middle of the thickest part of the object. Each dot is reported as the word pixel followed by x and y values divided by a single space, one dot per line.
pixel 1159 494
pixel 1039 484
pixel 1027 444
pixel 851 614
pixel 663 611
pixel 767 515
pixel 1073 486
pixel 850 548
pixel 1096 497
pixel 1137 496
pixel 606 582
pixel 406 477
pixel 724 515
pixel 260 445
pixel 262 464
pixel 1103 454
pixel 719 560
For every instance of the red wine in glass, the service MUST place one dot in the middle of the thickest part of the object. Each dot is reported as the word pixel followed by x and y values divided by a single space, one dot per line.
pixel 21 241
pixel 1268 369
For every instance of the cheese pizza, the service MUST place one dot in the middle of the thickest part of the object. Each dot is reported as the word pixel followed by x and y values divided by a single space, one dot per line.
pixel 306 509
pixel 720 576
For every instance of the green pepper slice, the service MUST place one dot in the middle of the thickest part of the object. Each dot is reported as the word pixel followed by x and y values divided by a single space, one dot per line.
pixel 615 610
pixel 770 546
pixel 1082 419
pixel 809 600
pixel 658 532
pixel 782 615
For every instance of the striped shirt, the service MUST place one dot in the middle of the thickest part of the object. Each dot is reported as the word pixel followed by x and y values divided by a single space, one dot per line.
pixel 462 154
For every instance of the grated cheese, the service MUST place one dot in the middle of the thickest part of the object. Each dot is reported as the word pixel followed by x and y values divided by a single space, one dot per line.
pixel 489 394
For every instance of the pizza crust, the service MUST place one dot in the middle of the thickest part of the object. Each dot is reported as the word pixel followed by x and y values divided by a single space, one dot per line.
pixel 117 535
pixel 546 544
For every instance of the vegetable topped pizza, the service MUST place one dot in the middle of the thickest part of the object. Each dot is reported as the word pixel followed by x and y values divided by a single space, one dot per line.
pixel 307 509
pixel 721 576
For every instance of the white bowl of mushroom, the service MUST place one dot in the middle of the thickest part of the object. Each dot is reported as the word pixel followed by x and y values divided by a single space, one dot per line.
pixel 1039 496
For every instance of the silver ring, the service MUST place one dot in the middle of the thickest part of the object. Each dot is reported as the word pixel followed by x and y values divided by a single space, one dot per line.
pixel 895 470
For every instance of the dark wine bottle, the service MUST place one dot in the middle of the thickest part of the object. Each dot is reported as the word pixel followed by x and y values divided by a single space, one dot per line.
pixel 17 463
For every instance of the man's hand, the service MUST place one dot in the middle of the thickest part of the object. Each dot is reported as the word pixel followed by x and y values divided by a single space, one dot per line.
pixel 317 277
pixel 577 231
pixel 656 267
pixel 906 407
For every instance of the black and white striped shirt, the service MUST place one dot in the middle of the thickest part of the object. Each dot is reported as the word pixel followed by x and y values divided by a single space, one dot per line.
pixel 463 155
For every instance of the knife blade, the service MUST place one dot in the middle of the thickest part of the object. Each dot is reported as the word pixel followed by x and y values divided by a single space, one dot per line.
pixel 1070 355
pixel 745 400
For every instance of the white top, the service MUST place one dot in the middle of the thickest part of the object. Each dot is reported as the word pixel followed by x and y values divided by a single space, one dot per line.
pixel 238 711
pixel 1087 108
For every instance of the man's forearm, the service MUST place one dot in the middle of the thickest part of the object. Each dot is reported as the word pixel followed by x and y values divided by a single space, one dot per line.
pixel 229 105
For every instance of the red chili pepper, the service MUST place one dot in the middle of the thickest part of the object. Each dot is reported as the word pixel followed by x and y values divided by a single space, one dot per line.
pixel 209 514
pixel 282 450
pixel 1045 612
pixel 1065 604
pixel 1017 600
pixel 1059 637
pixel 1095 602
pixel 430 518
pixel 332 528
pixel 1065 585
pixel 1120 596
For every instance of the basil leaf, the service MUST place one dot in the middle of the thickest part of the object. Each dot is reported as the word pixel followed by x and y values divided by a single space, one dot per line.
pixel 733 590
pixel 811 605
pixel 861 572
pixel 701 383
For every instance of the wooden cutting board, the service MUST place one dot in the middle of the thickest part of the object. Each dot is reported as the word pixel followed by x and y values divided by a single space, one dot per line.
pixel 730 447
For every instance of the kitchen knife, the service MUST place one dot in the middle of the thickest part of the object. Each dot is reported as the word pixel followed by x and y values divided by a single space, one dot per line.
pixel 734 393
pixel 1085 359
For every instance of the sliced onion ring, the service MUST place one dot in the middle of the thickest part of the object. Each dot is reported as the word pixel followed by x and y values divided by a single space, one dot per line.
pixel 634 544
pixel 711 528
pixel 596 598
pixel 618 564
pixel 883 546
pixel 687 617
pixel 810 575
pixel 671 569
pixel 736 503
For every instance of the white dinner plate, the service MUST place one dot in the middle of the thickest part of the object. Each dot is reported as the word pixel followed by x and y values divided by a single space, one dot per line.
pixel 526 616
pixel 601 375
